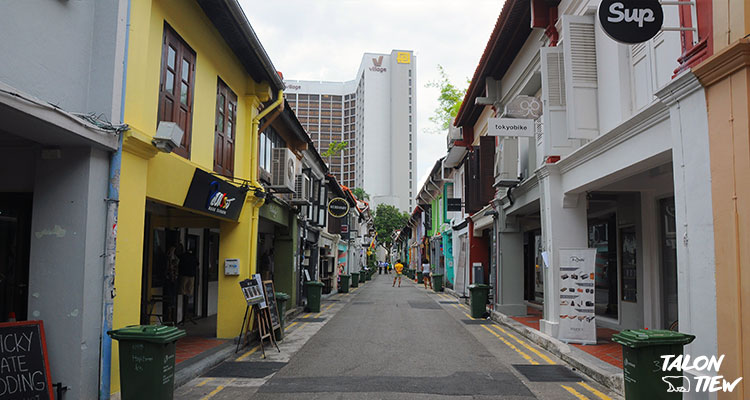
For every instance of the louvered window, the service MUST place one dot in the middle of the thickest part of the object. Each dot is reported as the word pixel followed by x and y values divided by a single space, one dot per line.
pixel 581 96
pixel 176 86
pixel 225 129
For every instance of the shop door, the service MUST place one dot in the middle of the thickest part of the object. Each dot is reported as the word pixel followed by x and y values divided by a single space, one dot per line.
pixel 668 264
pixel 461 266
pixel 15 235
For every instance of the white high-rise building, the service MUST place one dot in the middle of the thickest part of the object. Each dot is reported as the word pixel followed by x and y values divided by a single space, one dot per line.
pixel 375 114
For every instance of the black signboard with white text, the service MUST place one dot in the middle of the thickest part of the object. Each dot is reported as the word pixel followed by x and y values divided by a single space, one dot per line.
pixel 338 207
pixel 24 366
pixel 631 21
pixel 211 194
pixel 454 204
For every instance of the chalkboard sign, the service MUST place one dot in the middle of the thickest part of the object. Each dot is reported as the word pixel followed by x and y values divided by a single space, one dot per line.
pixel 24 366
pixel 273 308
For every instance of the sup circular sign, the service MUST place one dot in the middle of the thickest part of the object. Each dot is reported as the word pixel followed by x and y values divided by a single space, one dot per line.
pixel 338 207
pixel 631 21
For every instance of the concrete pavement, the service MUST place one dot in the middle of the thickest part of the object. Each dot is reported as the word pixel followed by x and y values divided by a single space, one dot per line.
pixel 380 342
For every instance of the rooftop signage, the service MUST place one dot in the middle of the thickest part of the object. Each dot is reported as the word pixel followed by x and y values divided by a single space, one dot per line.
pixel 631 21
pixel 338 207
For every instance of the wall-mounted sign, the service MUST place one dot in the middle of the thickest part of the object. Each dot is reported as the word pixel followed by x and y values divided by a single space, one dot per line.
pixel 511 127
pixel 24 371
pixel 338 207
pixel 232 266
pixel 454 204
pixel 403 57
pixel 212 195
pixel 631 21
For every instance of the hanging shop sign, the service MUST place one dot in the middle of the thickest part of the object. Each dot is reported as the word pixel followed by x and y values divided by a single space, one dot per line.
pixel 25 366
pixel 212 195
pixel 523 107
pixel 338 207
pixel 576 296
pixel 631 21
pixel 513 127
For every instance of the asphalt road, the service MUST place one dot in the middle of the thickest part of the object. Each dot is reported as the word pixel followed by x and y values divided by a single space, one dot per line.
pixel 381 342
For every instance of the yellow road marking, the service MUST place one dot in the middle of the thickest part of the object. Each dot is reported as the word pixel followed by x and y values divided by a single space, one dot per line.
pixel 291 325
pixel 509 344
pixel 594 391
pixel 205 381
pixel 249 352
pixel 469 316
pixel 215 391
pixel 524 344
pixel 574 393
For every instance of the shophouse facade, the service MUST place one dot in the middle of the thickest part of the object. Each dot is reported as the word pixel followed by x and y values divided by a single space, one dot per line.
pixel 725 78
pixel 620 138
pixel 199 65
pixel 59 135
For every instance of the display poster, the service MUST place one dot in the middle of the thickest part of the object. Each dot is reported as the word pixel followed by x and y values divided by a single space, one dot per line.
pixel 252 289
pixel 576 296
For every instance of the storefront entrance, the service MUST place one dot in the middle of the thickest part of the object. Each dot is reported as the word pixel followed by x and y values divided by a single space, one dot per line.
pixel 15 234
pixel 180 270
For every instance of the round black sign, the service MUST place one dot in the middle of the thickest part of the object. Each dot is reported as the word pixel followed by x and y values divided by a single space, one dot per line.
pixel 338 207
pixel 631 21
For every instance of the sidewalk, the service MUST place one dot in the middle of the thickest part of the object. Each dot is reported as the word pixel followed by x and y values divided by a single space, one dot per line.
pixel 602 362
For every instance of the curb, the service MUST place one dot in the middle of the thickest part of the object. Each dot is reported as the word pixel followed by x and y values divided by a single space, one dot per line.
pixel 596 369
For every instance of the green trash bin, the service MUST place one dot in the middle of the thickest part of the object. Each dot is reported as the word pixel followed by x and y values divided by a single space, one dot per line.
pixel 419 276
pixel 314 289
pixel 478 298
pixel 641 351
pixel 281 299
pixel 362 276
pixel 368 276
pixel 147 355
pixel 344 287
pixel 355 279
pixel 437 282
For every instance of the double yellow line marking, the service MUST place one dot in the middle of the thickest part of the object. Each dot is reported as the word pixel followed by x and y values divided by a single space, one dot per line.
pixel 580 396
pixel 216 390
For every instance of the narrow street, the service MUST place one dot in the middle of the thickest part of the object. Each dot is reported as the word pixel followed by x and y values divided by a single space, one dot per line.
pixel 380 342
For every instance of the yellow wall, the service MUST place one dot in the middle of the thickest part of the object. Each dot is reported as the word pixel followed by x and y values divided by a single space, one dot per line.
pixel 163 177
pixel 726 77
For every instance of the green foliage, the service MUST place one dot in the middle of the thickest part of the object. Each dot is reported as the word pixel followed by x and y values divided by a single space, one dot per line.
pixel 334 148
pixel 449 100
pixel 388 219
pixel 360 194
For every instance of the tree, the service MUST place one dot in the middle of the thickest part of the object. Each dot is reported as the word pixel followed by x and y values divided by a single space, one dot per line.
pixel 387 220
pixel 333 149
pixel 360 194
pixel 449 100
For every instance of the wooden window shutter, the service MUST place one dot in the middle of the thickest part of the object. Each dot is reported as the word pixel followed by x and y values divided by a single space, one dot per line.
pixel 471 182
pixel 581 82
pixel 177 86
pixel 225 129
pixel 486 169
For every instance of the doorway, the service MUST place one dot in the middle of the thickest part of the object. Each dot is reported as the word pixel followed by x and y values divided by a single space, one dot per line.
pixel 15 237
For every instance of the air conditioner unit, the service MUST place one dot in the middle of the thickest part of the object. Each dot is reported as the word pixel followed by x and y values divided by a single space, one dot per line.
pixel 283 169
pixel 455 134
pixel 302 190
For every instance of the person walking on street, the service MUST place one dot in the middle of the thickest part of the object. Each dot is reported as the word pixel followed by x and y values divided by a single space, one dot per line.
pixel 399 268
pixel 426 273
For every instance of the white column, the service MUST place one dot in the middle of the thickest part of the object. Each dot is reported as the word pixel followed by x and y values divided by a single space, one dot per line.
pixel 510 267
pixel 563 226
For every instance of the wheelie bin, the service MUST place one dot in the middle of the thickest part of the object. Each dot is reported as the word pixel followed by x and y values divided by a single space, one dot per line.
pixel 344 287
pixel 478 298
pixel 355 279
pixel 147 356
pixel 641 350
pixel 314 289
pixel 437 282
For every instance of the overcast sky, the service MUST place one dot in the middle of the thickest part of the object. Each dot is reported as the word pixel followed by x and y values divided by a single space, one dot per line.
pixel 325 40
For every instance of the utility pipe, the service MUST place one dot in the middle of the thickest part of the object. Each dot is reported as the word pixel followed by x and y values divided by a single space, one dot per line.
pixel 258 202
pixel 110 241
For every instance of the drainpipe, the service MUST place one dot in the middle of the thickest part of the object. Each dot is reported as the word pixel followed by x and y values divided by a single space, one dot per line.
pixel 258 202
pixel 110 241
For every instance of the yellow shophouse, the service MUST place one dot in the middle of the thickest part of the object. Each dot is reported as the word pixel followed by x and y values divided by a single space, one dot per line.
pixel 194 68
